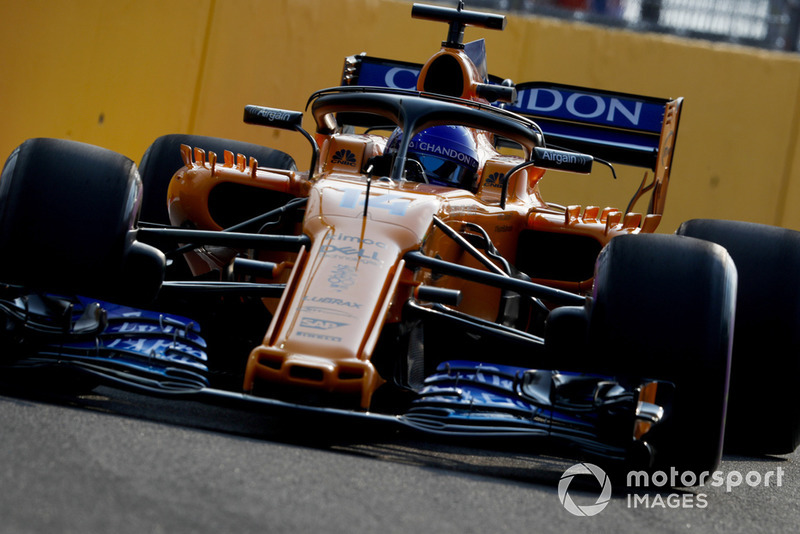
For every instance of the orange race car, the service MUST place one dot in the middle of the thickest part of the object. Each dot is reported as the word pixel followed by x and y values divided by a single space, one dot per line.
pixel 412 274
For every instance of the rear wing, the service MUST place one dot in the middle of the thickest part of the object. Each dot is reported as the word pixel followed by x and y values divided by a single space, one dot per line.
pixel 617 127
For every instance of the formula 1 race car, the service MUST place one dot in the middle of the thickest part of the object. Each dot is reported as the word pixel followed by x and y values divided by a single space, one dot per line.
pixel 413 274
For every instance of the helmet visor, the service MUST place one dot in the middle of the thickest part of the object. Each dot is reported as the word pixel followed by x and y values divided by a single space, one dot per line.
pixel 441 171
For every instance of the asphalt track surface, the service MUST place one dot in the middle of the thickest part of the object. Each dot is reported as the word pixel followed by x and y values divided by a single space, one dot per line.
pixel 116 462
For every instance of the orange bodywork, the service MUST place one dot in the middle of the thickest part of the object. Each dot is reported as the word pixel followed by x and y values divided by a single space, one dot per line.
pixel 352 280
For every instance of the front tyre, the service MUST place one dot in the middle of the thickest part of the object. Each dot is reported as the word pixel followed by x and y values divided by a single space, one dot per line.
pixel 663 308
pixel 67 216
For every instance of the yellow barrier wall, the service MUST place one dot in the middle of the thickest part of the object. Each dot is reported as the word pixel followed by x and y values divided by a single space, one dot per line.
pixel 119 74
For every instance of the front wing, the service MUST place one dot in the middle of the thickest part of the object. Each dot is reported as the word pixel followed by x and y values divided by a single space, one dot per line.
pixel 164 355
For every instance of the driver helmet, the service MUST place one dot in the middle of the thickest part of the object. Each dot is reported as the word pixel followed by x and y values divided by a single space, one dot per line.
pixel 448 154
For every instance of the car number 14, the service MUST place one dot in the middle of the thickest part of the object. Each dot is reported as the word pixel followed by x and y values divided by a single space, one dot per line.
pixel 355 198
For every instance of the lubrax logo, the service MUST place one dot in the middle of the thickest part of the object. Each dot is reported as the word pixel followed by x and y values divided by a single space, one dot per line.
pixel 332 301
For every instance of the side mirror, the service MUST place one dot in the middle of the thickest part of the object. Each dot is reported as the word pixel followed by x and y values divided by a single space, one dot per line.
pixel 562 160
pixel 284 120
pixel 274 118
pixel 497 93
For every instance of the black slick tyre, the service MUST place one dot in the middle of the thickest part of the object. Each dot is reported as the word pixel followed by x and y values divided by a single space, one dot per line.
pixel 764 415
pixel 67 217
pixel 663 308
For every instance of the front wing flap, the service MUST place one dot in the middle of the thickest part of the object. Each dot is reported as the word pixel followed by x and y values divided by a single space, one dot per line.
pixel 153 352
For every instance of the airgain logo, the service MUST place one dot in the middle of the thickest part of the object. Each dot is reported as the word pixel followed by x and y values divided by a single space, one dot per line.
pixel 602 480
pixel 344 157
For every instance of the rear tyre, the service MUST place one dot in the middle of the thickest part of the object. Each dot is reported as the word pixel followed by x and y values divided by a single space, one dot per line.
pixel 663 308
pixel 67 213
pixel 163 158
pixel 763 414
